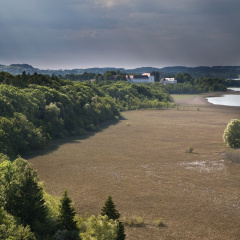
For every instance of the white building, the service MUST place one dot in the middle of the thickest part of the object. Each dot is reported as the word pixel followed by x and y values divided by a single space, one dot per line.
pixel 168 81
pixel 144 78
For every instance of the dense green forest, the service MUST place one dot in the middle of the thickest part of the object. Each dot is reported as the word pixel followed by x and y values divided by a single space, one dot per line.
pixel 187 84
pixel 37 108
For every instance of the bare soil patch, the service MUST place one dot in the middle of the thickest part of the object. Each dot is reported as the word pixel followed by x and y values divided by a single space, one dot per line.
pixel 142 163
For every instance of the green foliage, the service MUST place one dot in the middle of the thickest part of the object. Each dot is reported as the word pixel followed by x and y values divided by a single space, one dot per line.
pixel 100 228
pixel 109 209
pixel 36 108
pixel 67 214
pixel 134 221
pixel 160 223
pixel 120 231
pixel 66 235
pixel 190 149
pixel 11 230
pixel 52 204
pixel 131 96
pixel 184 77
pixel 23 196
pixel 231 134
pixel 186 84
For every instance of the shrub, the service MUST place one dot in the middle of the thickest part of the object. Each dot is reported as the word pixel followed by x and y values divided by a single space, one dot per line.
pixel 100 227
pixel 190 149
pixel 160 223
pixel 134 221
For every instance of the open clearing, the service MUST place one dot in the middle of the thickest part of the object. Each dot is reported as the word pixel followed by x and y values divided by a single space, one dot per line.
pixel 142 163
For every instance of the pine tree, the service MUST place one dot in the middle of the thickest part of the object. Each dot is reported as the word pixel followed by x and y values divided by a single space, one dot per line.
pixel 110 210
pixel 67 214
pixel 27 202
pixel 120 231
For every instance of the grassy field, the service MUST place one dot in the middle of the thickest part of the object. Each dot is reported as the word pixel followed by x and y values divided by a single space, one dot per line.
pixel 143 164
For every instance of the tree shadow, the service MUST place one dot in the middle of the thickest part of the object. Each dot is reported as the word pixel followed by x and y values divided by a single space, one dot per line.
pixel 53 145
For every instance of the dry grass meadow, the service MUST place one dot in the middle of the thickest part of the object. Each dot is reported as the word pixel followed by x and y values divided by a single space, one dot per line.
pixel 142 163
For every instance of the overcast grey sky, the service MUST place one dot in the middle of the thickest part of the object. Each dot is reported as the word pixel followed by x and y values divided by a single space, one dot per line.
pixel 119 33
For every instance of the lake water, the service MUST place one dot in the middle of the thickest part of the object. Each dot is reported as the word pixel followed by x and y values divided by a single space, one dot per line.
pixel 234 89
pixel 226 100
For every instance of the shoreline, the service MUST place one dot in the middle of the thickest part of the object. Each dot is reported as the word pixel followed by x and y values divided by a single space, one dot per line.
pixel 201 99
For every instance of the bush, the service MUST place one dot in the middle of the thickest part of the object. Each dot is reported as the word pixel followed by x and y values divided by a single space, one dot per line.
pixel 160 223
pixel 190 149
pixel 134 222
pixel 231 134
pixel 100 227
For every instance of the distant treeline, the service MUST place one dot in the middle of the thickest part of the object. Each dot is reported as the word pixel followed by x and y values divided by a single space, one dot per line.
pixel 36 108
pixel 187 84
pixel 227 72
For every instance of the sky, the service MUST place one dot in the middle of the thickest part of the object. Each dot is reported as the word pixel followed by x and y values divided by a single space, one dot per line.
pixel 67 34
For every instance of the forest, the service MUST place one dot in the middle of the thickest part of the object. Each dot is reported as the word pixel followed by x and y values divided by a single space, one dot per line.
pixel 37 108
pixel 187 84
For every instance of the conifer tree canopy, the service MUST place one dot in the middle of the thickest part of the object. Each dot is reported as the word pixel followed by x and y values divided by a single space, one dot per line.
pixel 109 209
pixel 67 214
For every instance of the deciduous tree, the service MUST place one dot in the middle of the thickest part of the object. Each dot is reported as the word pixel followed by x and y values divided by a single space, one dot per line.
pixel 231 134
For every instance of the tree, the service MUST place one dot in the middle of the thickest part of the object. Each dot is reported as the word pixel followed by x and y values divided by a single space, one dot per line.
pixel 67 214
pixel 120 231
pixel 156 76
pixel 109 210
pixel 21 195
pixel 28 203
pixel 10 229
pixel 183 77
pixel 231 134
pixel 100 228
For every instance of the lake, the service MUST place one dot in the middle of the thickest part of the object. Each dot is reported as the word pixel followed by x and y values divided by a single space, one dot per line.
pixel 226 100
pixel 235 89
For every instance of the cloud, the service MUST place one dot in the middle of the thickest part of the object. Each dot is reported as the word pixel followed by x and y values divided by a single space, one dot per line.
pixel 136 32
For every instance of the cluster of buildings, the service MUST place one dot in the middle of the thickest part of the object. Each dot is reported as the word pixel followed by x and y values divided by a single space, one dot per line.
pixel 148 78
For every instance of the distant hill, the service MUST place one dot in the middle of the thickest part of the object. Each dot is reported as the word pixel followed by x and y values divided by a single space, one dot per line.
pixel 201 71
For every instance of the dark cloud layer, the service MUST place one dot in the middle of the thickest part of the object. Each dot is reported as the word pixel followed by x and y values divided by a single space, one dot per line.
pixel 88 33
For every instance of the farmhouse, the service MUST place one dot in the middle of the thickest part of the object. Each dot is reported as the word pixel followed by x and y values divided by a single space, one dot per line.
pixel 144 78
pixel 168 81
